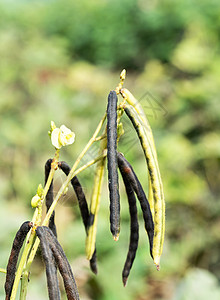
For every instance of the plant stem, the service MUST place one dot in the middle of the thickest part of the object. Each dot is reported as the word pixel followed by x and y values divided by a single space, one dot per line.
pixel 22 263
pixel 3 270
pixel 58 196
pixel 101 137
pixel 25 274
pixel 72 173
pixel 31 238
pixel 24 284
pixel 91 162
pixel 46 220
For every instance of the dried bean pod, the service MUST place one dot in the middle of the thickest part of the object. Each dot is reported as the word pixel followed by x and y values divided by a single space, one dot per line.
pixel 156 186
pixel 63 265
pixel 93 263
pixel 83 206
pixel 94 208
pixel 126 168
pixel 13 258
pixel 49 197
pixel 134 229
pixel 51 269
pixel 112 164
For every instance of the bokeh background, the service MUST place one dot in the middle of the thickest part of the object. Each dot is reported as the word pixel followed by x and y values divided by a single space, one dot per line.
pixel 58 61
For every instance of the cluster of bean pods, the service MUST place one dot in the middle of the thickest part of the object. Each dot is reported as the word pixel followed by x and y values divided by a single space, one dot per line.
pixel 153 207
pixel 153 210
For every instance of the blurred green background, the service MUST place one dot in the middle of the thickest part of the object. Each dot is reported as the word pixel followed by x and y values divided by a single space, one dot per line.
pixel 58 61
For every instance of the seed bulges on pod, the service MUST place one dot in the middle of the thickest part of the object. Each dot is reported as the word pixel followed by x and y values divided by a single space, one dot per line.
pixel 127 170
pixel 50 264
pixel 13 258
pixel 134 228
pixel 44 233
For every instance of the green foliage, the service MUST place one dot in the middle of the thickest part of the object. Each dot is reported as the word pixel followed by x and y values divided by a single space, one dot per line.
pixel 114 33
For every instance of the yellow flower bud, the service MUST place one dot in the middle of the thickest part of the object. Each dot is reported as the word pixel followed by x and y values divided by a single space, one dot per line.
pixel 35 201
pixel 40 190
pixel 123 75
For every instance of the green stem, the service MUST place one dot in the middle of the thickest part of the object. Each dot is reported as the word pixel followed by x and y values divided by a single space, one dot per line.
pixel 24 285
pixel 91 162
pixel 25 274
pixel 29 239
pixel 3 271
pixel 101 137
pixel 22 263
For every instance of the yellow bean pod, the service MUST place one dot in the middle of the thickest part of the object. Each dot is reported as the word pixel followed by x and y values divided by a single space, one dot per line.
pixel 94 208
pixel 150 196
pixel 156 196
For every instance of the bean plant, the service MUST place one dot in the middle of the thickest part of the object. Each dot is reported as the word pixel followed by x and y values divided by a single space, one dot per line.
pixel 41 232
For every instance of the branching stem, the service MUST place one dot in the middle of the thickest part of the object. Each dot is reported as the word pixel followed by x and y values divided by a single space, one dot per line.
pixel 23 267
pixel 32 242
pixel 2 270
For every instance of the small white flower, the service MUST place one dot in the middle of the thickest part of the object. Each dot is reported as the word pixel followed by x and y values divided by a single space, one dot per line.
pixel 62 136
pixel 67 137
pixel 55 138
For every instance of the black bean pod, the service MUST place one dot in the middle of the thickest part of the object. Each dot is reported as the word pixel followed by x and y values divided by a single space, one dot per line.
pixel 134 229
pixel 126 168
pixel 13 258
pixel 50 264
pixel 83 206
pixel 112 164
pixel 49 197
pixel 63 265
pixel 93 263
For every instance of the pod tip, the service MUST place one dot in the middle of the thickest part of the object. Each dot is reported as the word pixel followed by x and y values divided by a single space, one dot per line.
pixel 157 262
pixel 94 269
pixel 124 279
pixel 116 237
